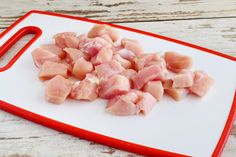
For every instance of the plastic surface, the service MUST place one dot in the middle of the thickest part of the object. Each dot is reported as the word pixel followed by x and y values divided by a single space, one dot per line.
pixel 172 128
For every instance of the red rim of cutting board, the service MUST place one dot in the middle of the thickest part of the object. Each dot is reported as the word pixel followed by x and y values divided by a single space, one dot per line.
pixel 102 139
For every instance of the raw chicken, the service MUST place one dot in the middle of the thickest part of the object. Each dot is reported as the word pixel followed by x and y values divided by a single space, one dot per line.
pixel 108 69
pixel 131 103
pixel 132 45
pixel 202 83
pixel 91 46
pixel 103 56
pixel 84 90
pixel 115 85
pixel 145 103
pixel 177 62
pixel 101 30
pixel 183 80
pixel 41 55
pixel 125 63
pixel 57 89
pixel 60 38
pixel 51 69
pixel 54 49
pixel 73 54
pixel 176 93
pixel 81 68
pixel 155 88
pixel 145 75
pixel 98 64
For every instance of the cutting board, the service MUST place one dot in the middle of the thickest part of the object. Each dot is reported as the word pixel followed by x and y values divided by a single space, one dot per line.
pixel 191 127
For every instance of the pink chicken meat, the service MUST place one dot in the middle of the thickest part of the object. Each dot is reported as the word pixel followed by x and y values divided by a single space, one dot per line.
pixel 100 65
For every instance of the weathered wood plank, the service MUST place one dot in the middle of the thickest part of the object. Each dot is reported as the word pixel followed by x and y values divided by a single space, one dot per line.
pixel 121 10
pixel 216 34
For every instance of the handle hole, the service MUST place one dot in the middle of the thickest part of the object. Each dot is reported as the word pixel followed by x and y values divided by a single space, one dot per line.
pixel 16 45
pixel 10 53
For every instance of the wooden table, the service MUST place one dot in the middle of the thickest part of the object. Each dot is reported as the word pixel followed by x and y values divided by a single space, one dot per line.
pixel 209 23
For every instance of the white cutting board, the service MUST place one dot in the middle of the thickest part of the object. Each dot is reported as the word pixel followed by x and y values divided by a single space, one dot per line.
pixel 192 126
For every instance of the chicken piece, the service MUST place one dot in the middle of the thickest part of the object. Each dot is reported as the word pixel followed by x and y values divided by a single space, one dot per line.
pixel 91 46
pixel 57 89
pixel 81 68
pixel 176 93
pixel 183 80
pixel 201 84
pixel 131 103
pixel 126 54
pixel 145 103
pixel 50 69
pixel 115 85
pixel 107 38
pixel 132 45
pixel 60 38
pixel 145 75
pixel 155 88
pixel 123 105
pixel 73 54
pixel 125 63
pixel 84 90
pixel 54 49
pixel 72 42
pixel 108 69
pixel 129 73
pixel 144 60
pixel 177 62
pixel 40 55
pixel 100 30
pixel 103 56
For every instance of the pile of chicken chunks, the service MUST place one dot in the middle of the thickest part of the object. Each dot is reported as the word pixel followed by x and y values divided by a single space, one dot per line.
pixel 100 65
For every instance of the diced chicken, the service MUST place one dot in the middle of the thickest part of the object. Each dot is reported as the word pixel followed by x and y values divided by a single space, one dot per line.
pixel 183 80
pixel 126 54
pixel 176 93
pixel 92 46
pixel 81 68
pixel 41 55
pixel 51 69
pixel 103 56
pixel 92 78
pixel 145 103
pixel 123 105
pixel 145 75
pixel 60 38
pixel 144 60
pixel 202 83
pixel 125 63
pixel 100 30
pixel 131 103
pixel 84 90
pixel 115 85
pixel 129 73
pixel 72 42
pixel 108 69
pixel 107 38
pixel 54 49
pixel 132 45
pixel 73 54
pixel 155 88
pixel 177 62
pixel 57 89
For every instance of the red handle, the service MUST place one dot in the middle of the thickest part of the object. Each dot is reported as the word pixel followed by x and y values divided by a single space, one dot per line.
pixel 16 37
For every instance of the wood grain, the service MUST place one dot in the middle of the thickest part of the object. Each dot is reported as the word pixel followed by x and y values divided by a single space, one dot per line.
pixel 122 10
